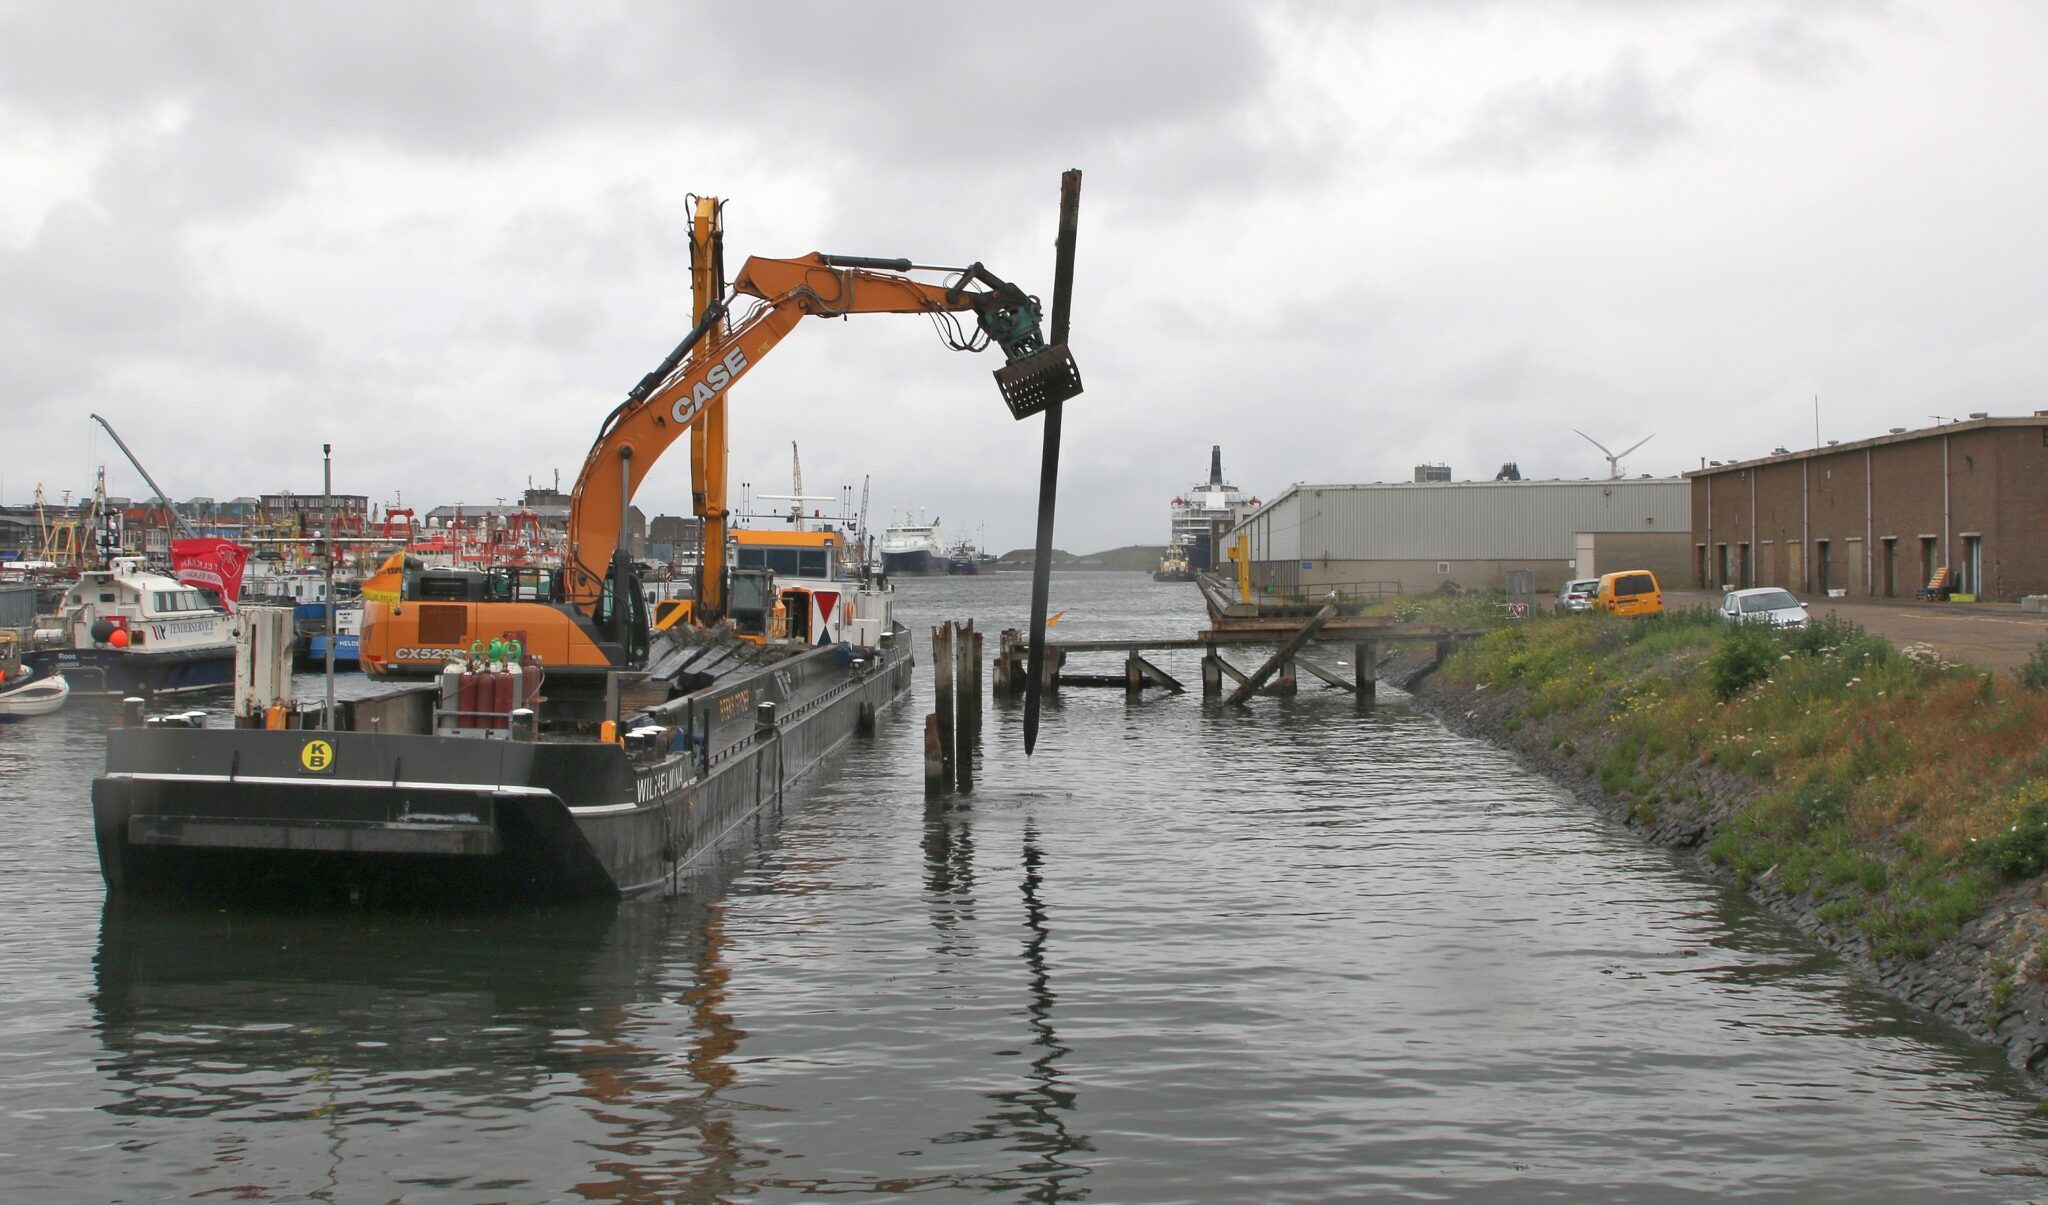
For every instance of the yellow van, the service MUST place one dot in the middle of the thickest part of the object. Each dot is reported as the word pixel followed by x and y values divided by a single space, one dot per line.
pixel 1630 592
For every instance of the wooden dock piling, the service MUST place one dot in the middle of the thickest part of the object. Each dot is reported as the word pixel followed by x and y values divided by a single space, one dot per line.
pixel 1287 651
pixel 942 694
pixel 968 700
pixel 934 756
pixel 1365 668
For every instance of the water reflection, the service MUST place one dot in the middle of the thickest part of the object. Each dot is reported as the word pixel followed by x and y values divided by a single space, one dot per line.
pixel 1031 1118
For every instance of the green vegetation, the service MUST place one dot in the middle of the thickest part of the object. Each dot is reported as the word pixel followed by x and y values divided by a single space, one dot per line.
pixel 2033 675
pixel 1897 791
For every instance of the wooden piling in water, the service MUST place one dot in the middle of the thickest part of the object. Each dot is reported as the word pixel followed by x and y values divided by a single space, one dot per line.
pixel 942 693
pixel 973 687
pixel 1365 668
pixel 1286 653
pixel 934 756
pixel 1212 674
pixel 967 699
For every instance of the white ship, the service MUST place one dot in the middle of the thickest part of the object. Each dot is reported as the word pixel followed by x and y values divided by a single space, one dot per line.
pixel 913 546
pixel 1201 515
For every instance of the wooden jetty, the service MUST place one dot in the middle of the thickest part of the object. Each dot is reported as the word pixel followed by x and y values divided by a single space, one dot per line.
pixel 1276 675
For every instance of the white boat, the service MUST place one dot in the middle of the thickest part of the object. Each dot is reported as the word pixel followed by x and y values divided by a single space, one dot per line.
pixel 913 546
pixel 25 695
pixel 126 630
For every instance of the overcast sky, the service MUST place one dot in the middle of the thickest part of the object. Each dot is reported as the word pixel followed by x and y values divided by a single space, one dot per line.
pixel 1338 240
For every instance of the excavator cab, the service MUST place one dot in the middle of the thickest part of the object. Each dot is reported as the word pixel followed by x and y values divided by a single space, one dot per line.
pixel 750 597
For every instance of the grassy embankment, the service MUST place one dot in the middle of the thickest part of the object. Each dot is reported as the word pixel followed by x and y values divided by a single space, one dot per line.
pixel 1896 791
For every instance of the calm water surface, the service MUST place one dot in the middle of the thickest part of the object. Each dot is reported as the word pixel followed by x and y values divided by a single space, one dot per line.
pixel 1304 953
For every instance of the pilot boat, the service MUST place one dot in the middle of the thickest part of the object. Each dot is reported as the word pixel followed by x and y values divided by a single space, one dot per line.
pixel 125 630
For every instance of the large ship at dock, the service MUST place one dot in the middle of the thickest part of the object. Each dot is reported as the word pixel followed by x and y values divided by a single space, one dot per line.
pixel 1203 513
pixel 913 546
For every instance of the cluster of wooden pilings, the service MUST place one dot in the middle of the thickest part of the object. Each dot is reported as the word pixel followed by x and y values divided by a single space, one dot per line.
pixel 952 730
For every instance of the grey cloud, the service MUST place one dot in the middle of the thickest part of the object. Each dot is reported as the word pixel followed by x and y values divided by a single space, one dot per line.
pixel 892 80
pixel 1790 49
pixel 1618 116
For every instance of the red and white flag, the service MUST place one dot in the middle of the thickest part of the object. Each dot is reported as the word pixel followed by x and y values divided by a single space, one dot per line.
pixel 211 564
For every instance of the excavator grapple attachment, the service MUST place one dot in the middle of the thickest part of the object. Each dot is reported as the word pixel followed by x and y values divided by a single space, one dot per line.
pixel 1043 378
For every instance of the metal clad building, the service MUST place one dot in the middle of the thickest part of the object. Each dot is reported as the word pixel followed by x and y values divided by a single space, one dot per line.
pixel 1423 534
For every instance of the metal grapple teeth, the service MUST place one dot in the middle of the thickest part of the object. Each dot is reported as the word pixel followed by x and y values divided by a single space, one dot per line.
pixel 1033 382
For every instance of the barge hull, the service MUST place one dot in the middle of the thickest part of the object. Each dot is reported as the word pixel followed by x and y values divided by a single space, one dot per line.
pixel 226 813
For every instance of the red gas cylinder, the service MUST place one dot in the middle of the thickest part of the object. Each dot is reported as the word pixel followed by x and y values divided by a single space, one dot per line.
pixel 471 699
pixel 501 697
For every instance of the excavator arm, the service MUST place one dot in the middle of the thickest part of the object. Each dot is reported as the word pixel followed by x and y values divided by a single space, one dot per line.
pixel 691 384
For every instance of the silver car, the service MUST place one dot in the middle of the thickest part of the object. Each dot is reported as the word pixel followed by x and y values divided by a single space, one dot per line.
pixel 1576 596
pixel 1764 604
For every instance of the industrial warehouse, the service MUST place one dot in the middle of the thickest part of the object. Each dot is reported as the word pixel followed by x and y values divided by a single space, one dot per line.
pixel 1415 537
pixel 1958 510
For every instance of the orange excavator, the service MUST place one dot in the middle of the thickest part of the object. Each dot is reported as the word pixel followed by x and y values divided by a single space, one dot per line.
pixel 589 618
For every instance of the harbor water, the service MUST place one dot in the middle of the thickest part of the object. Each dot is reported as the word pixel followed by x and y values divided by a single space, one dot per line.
pixel 1303 952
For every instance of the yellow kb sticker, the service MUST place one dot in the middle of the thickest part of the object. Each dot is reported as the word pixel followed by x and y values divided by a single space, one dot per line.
pixel 317 756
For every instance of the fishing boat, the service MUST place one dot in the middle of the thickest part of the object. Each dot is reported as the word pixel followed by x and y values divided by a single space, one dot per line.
pixel 480 786
pixel 125 630
pixel 964 559
pixel 348 630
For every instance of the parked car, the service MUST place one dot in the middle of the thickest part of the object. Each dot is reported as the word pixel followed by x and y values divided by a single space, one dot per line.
pixel 1630 592
pixel 1764 604
pixel 1576 596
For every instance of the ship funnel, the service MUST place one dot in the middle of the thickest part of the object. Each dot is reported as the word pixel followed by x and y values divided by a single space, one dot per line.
pixel 1216 466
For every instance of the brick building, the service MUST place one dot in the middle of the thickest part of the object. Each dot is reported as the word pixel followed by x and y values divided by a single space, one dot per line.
pixel 1878 516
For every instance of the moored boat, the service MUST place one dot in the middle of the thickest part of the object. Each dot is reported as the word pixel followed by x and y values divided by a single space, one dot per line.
pixel 125 630
pixel 964 559
pixel 23 693
pixel 1173 567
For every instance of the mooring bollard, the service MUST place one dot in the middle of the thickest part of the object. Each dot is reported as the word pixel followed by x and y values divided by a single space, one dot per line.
pixel 131 712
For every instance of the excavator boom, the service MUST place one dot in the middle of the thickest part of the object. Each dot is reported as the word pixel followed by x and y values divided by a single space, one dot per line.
pixel 691 384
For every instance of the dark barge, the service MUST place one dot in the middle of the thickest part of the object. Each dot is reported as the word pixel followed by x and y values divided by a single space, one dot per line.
pixel 387 808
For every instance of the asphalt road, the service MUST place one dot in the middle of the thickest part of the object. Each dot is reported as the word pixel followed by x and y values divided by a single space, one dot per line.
pixel 1994 635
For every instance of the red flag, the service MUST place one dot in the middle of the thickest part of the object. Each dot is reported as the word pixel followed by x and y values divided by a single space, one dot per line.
pixel 211 564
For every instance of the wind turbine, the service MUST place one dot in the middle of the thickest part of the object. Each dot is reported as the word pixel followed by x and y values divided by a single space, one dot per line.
pixel 1614 458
